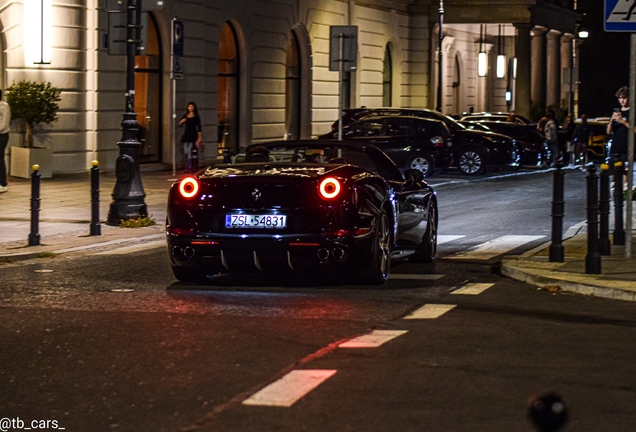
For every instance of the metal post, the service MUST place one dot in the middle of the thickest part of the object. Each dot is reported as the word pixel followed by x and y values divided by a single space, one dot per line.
pixel 630 152
pixel 440 56
pixel 593 258
pixel 128 194
pixel 619 232
pixel 34 235
pixel 96 228
pixel 604 245
pixel 556 247
pixel 341 61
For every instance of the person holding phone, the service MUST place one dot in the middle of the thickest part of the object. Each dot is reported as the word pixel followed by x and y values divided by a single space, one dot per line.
pixel 618 128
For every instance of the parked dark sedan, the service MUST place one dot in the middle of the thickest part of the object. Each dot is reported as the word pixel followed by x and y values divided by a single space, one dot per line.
pixel 474 152
pixel 496 116
pixel 301 207
pixel 533 148
pixel 412 143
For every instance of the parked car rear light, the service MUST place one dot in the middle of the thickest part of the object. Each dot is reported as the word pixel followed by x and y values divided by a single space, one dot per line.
pixel 189 187
pixel 329 188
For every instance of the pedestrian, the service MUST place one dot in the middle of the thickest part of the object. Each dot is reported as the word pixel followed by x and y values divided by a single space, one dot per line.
pixel 191 137
pixel 567 133
pixel 619 128
pixel 580 138
pixel 5 118
pixel 551 136
pixel 512 118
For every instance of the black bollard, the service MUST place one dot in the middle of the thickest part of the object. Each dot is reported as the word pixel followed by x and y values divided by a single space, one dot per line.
pixel 557 253
pixel 96 228
pixel 604 245
pixel 593 258
pixel 34 235
pixel 619 231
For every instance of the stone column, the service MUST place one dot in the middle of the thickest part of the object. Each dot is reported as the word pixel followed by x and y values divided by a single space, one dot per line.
pixel 538 65
pixel 522 82
pixel 566 62
pixel 553 94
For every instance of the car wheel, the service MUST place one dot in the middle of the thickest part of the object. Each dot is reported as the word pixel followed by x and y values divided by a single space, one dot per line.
pixel 380 265
pixel 422 162
pixel 472 161
pixel 427 250
pixel 188 275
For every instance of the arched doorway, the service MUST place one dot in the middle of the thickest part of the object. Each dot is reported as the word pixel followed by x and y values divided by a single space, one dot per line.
pixel 228 94
pixel 387 79
pixel 148 103
pixel 292 88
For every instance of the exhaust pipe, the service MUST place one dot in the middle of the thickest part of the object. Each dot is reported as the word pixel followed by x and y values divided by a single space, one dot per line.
pixel 338 253
pixel 189 252
pixel 323 254
pixel 177 251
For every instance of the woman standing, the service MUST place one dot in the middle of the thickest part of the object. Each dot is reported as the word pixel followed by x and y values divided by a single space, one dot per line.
pixel 191 137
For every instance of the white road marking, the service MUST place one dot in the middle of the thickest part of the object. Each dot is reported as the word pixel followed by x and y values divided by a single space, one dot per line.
pixel 473 288
pixel 134 248
pixel 372 340
pixel 290 388
pixel 492 248
pixel 441 239
pixel 109 243
pixel 415 276
pixel 430 311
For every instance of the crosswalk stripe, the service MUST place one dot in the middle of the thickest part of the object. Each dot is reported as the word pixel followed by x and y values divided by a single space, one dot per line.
pixel 373 339
pixel 441 239
pixel 492 248
pixel 134 248
pixel 473 288
pixel 290 388
pixel 415 276
pixel 430 311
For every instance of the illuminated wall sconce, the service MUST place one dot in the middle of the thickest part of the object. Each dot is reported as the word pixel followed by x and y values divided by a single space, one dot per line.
pixel 501 59
pixel 514 68
pixel 482 57
pixel 584 34
pixel 508 96
pixel 37 25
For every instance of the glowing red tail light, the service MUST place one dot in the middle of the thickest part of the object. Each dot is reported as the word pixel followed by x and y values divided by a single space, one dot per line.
pixel 329 188
pixel 189 187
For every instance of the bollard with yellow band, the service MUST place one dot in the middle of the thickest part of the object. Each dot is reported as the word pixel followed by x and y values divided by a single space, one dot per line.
pixel 604 245
pixel 619 231
pixel 34 235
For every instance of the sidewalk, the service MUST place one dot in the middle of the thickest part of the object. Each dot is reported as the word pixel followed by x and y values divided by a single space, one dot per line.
pixel 65 218
pixel 65 213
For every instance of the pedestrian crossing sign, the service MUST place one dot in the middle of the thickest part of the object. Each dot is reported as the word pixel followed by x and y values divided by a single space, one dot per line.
pixel 620 15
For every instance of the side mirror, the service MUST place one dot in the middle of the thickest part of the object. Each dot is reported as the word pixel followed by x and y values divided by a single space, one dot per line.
pixel 413 175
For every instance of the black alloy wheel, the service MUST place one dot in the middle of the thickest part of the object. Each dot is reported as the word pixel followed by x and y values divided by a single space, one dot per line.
pixel 422 162
pixel 427 250
pixel 380 264
pixel 471 161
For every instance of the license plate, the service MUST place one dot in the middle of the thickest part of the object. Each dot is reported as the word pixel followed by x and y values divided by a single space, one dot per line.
pixel 255 221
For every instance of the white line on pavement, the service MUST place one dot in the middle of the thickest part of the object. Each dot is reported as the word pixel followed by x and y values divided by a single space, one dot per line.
pixel 473 288
pixel 415 276
pixel 290 388
pixel 441 239
pixel 492 248
pixel 134 248
pixel 430 311
pixel 110 243
pixel 373 339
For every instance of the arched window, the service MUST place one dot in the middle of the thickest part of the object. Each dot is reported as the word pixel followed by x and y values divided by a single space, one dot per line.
pixel 292 88
pixel 387 79
pixel 228 93
pixel 148 95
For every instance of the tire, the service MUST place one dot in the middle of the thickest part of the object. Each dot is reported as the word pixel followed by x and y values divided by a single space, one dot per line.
pixel 422 162
pixel 188 275
pixel 427 250
pixel 380 263
pixel 472 161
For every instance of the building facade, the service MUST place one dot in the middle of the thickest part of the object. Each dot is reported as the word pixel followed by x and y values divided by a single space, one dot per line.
pixel 258 70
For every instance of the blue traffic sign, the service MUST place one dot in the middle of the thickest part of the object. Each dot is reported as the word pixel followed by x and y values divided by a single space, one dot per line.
pixel 620 15
pixel 177 38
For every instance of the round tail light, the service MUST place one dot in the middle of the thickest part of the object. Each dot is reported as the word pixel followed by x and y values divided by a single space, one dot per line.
pixel 329 188
pixel 188 187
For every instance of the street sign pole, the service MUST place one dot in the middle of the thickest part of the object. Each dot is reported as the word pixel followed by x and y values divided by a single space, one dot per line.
pixel 341 60
pixel 176 72
pixel 630 149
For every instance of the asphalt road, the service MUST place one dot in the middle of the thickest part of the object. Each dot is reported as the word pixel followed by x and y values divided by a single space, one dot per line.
pixel 111 342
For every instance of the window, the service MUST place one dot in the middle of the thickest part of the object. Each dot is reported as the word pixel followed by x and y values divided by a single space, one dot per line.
pixel 228 90
pixel 387 79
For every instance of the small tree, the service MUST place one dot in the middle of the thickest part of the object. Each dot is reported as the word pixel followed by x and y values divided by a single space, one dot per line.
pixel 33 103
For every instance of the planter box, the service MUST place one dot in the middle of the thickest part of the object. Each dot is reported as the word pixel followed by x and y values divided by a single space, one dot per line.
pixel 23 159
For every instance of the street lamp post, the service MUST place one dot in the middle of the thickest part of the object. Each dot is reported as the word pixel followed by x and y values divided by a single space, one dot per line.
pixel 440 57
pixel 128 194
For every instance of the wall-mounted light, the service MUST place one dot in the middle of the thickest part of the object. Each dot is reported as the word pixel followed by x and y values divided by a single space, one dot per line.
pixel 501 59
pixel 508 96
pixel 514 68
pixel 584 34
pixel 37 24
pixel 482 57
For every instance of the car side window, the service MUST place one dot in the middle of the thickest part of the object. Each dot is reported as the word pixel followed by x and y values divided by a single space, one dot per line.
pixel 399 127
pixel 370 128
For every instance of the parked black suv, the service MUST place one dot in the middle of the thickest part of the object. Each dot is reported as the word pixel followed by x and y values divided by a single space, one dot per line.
pixel 474 152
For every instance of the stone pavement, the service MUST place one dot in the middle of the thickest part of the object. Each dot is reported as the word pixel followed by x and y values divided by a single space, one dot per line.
pixel 65 226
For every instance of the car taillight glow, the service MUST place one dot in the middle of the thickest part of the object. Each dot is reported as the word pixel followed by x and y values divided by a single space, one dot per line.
pixel 329 188
pixel 188 187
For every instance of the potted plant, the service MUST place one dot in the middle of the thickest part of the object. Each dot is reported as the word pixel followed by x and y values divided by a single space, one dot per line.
pixel 32 103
